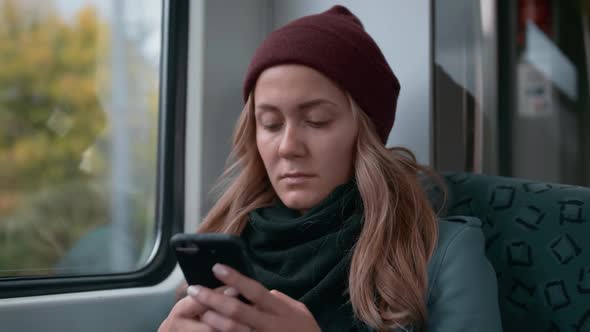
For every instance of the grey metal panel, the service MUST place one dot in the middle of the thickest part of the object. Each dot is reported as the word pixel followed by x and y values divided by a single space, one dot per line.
pixel 139 309
pixel 465 112
pixel 233 30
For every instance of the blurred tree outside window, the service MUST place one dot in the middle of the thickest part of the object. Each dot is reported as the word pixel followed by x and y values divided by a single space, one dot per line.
pixel 78 135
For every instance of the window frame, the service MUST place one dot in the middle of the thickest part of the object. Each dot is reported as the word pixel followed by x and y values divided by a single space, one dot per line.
pixel 464 136
pixel 170 174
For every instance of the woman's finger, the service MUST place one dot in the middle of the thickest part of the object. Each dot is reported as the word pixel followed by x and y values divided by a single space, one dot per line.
pixel 230 291
pixel 227 290
pixel 188 307
pixel 288 300
pixel 181 290
pixel 249 288
pixel 222 323
pixel 181 325
pixel 229 307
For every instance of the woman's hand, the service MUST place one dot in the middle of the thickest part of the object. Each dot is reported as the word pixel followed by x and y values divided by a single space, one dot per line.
pixel 186 313
pixel 271 311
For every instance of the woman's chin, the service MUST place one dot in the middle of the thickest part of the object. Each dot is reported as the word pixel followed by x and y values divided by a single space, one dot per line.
pixel 299 200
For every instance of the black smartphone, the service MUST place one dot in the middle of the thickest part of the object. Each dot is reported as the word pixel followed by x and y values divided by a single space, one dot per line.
pixel 197 253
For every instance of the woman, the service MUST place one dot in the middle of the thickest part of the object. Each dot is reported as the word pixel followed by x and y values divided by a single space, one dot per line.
pixel 338 227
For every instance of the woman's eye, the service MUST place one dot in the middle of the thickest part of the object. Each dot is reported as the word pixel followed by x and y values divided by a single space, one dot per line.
pixel 272 126
pixel 317 124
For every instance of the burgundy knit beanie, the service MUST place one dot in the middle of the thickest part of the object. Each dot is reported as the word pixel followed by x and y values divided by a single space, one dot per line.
pixel 334 43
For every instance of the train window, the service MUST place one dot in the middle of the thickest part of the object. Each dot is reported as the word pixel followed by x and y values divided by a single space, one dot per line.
pixel 511 89
pixel 79 94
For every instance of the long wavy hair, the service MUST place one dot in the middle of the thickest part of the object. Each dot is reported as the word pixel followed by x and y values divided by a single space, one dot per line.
pixel 388 272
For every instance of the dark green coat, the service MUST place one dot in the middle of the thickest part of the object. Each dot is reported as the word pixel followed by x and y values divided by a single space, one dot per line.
pixel 462 287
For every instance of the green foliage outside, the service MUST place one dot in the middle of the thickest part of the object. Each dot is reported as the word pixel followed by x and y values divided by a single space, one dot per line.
pixel 55 137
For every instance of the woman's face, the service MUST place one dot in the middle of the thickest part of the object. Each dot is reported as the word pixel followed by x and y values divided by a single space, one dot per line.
pixel 305 134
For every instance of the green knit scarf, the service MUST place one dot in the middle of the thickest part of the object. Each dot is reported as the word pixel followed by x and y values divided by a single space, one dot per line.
pixel 308 256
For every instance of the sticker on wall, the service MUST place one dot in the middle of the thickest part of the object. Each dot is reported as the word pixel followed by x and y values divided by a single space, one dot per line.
pixel 535 92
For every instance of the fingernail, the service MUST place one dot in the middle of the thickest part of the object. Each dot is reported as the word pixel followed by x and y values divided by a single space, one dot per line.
pixel 193 290
pixel 220 270
pixel 230 292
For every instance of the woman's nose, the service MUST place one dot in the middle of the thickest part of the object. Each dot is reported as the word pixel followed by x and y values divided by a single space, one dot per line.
pixel 291 144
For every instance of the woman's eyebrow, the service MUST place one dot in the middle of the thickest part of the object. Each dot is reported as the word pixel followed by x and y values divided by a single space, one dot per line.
pixel 267 108
pixel 314 102
pixel 303 106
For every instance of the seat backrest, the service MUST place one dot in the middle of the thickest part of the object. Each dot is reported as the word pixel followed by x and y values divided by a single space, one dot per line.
pixel 538 240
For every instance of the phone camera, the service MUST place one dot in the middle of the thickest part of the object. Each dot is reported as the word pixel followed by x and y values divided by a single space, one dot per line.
pixel 188 247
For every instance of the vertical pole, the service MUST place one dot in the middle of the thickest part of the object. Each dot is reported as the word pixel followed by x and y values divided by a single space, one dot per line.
pixel 121 257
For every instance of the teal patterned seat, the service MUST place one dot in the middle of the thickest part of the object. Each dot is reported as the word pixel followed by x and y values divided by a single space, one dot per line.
pixel 538 240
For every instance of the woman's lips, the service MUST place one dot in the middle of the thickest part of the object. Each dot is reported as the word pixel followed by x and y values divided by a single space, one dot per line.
pixel 296 178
